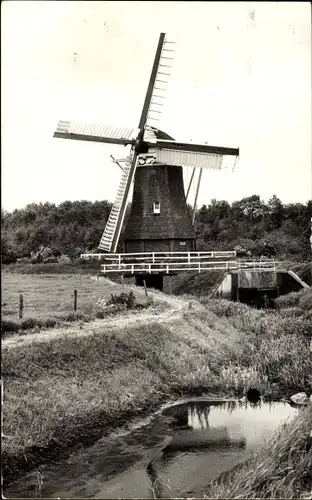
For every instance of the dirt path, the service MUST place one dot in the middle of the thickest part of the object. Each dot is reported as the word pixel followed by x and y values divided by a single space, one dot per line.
pixel 119 321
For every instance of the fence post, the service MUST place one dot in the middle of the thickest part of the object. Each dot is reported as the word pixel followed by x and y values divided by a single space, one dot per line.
pixel 75 300
pixel 21 305
pixel 122 281
pixel 145 288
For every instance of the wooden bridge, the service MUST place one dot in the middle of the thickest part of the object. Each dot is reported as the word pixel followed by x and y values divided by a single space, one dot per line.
pixel 173 262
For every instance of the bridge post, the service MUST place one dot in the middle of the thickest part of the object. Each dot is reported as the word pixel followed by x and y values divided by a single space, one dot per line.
pixel 169 285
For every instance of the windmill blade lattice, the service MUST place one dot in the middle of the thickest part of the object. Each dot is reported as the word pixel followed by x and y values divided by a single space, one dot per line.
pixel 188 159
pixel 111 234
pixel 96 133
pixel 160 87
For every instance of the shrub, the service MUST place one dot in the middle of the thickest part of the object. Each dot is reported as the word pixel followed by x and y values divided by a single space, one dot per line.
pixel 8 326
pixel 64 259
pixel 127 299
pixel 50 323
pixel 50 260
pixel 74 317
pixel 100 314
pixel 29 323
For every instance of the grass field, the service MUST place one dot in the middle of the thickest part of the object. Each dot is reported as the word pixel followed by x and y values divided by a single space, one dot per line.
pixel 69 385
pixel 51 296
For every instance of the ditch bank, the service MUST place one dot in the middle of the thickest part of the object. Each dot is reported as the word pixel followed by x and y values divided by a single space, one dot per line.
pixel 175 452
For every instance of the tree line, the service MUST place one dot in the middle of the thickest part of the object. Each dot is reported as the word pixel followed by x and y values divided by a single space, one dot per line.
pixel 71 228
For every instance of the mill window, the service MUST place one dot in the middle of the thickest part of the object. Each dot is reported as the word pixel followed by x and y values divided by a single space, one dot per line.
pixel 182 243
pixel 156 207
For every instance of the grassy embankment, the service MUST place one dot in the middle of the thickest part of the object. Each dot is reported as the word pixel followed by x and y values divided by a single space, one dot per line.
pixel 68 385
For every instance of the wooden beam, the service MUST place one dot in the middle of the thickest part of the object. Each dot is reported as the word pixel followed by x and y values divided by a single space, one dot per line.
pixel 199 148
pixel 92 138
pixel 196 195
pixel 117 163
pixel 190 183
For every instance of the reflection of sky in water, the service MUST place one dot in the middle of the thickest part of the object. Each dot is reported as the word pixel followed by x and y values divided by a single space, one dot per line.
pixel 255 423
pixel 221 428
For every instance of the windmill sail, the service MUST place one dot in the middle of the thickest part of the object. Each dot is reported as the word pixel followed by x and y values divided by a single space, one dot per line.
pixel 151 84
pixel 188 154
pixel 188 159
pixel 160 86
pixel 95 133
pixel 110 237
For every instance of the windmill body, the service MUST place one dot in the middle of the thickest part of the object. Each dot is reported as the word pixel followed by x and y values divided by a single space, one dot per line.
pixel 159 219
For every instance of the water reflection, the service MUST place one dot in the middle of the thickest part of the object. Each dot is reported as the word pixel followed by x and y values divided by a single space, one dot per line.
pixel 193 429
pixel 228 423
pixel 210 437
pixel 183 414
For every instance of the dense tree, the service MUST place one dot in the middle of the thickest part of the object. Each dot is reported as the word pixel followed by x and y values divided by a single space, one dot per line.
pixel 271 228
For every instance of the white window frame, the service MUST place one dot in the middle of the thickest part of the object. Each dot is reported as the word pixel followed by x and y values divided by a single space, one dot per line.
pixel 156 207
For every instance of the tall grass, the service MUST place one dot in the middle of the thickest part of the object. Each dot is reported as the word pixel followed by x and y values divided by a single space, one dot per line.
pixel 272 347
pixel 301 300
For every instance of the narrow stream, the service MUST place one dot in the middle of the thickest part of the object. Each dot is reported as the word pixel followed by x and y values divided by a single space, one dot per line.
pixel 186 445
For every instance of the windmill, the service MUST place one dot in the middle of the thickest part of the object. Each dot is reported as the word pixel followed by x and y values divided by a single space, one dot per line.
pixel 159 220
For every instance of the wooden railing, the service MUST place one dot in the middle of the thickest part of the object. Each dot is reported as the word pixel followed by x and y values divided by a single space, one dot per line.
pixel 171 262
pixel 198 266
pixel 154 257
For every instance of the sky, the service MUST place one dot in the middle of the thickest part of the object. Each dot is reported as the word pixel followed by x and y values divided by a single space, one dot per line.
pixel 241 78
